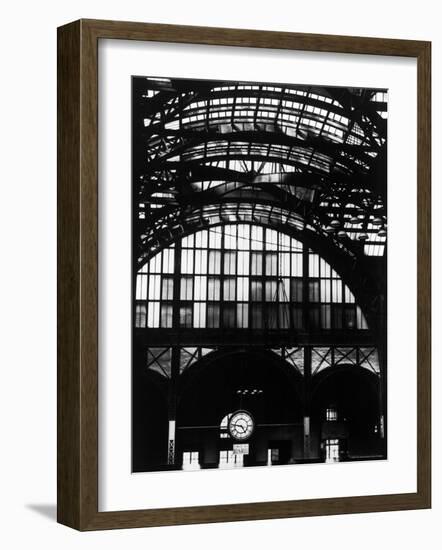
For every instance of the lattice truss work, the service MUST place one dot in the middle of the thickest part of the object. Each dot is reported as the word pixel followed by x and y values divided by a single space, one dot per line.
pixel 211 152
pixel 159 359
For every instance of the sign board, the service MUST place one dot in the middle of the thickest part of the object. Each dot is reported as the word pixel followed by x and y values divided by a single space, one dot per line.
pixel 241 449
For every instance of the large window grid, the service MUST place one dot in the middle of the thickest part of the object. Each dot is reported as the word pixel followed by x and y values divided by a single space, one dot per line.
pixel 331 303
pixel 243 276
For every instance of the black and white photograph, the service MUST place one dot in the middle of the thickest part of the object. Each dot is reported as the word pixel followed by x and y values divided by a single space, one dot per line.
pixel 259 274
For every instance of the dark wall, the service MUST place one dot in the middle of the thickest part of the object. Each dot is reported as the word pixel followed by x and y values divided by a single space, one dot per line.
pixel 149 421
pixel 354 392
pixel 209 391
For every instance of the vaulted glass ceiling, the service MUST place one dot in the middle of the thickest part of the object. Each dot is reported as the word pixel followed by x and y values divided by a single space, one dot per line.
pixel 305 158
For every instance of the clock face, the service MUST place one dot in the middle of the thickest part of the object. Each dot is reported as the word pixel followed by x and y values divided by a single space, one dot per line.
pixel 241 425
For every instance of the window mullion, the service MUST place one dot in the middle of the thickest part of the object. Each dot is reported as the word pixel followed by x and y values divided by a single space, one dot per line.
pixel 176 285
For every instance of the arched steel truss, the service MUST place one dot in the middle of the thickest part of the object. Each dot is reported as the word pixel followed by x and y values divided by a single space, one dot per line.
pixel 306 158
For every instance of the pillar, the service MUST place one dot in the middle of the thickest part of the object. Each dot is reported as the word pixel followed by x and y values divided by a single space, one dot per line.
pixel 307 400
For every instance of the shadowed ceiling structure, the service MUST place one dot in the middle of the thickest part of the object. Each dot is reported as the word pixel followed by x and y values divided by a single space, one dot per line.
pixel 308 159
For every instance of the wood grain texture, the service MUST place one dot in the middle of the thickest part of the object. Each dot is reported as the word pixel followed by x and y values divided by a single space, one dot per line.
pixel 78 274
pixel 424 274
pixel 68 276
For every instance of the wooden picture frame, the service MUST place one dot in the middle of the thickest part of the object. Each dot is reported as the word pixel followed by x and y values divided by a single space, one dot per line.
pixel 78 274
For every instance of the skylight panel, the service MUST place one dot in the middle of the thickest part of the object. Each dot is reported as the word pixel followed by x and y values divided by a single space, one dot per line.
pixel 173 125
pixel 373 250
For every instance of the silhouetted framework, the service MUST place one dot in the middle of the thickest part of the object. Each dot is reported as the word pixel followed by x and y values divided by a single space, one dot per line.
pixel 259 273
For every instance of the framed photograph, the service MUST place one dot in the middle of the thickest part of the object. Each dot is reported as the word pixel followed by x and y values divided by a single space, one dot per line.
pixel 243 275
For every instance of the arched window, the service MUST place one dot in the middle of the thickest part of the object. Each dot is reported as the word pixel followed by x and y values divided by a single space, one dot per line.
pixel 243 276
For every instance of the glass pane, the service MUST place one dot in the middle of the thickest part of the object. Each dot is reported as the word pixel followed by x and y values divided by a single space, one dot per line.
pixel 229 289
pixel 168 260
pixel 144 269
pixel 213 315
pixel 153 315
pixel 188 241
pixel 337 317
pixel 256 316
pixel 213 290
pixel 243 263
pixel 326 316
pixel 214 261
pixel 256 263
pixel 313 291
pixel 167 290
pixel 200 288
pixel 284 242
pixel 271 291
pixel 361 322
pixel 215 237
pixel 271 263
pixel 256 291
pixel 325 290
pixel 325 268
pixel 271 316
pixel 284 316
pixel 230 236
pixel 186 316
pixel 313 270
pixel 230 263
pixel 199 315
pixel 297 265
pixel 243 289
pixel 141 290
pixel 187 261
pixel 285 264
pixel 201 239
pixel 243 237
pixel 337 290
pixel 140 315
pixel 166 316
pixel 271 239
pixel 349 298
pixel 155 264
pixel 229 316
pixel 284 290
pixel 256 237
pixel 154 287
pixel 296 289
pixel 242 315
pixel 186 292
pixel 201 261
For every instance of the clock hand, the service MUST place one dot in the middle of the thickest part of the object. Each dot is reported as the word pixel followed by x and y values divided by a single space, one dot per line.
pixel 237 425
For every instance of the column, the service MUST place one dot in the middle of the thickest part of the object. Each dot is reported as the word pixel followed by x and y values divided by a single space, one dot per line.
pixel 175 360
pixel 172 405
pixel 307 399
pixel 382 351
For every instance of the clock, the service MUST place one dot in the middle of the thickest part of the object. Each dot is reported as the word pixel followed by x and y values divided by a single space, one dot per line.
pixel 241 425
